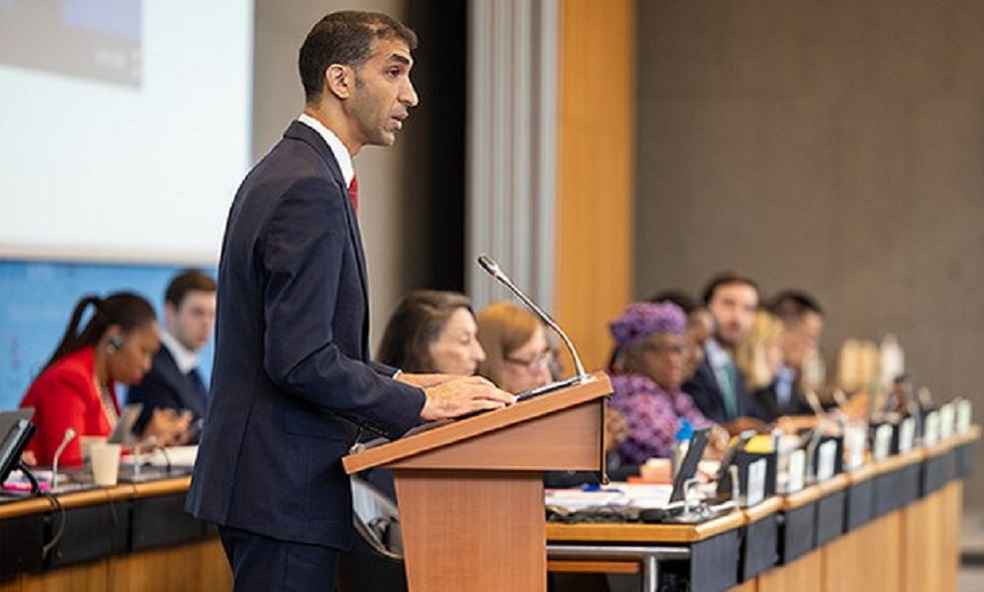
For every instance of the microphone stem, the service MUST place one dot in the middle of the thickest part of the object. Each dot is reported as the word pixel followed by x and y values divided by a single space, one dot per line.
pixel 579 368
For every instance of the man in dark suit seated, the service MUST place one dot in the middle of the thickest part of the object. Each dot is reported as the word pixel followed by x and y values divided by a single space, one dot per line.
pixel 802 319
pixel 293 385
pixel 174 382
pixel 718 388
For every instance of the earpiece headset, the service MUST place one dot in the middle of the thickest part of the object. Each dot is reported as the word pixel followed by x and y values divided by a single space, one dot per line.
pixel 115 343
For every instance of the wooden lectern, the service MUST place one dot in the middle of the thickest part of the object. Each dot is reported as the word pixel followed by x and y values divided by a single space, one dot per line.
pixel 471 491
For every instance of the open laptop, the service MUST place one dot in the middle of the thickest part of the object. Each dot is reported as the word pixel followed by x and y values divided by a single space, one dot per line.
pixel 123 433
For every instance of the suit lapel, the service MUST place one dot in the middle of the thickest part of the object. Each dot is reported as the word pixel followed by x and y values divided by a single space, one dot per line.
pixel 300 131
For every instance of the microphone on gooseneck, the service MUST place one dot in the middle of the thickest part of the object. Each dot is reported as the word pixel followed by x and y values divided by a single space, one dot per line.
pixel 68 437
pixel 490 266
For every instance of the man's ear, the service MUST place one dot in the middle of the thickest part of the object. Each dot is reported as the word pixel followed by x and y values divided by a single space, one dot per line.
pixel 170 313
pixel 340 80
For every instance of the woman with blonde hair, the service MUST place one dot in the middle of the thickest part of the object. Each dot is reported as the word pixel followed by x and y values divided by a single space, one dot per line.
pixel 517 353
pixel 760 359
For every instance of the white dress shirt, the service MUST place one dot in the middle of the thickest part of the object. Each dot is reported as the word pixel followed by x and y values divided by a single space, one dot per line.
pixel 337 148
pixel 185 359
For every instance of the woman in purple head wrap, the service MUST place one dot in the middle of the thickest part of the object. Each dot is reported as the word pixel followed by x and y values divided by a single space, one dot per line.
pixel 649 365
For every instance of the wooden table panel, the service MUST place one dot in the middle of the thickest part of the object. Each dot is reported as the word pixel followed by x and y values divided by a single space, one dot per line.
pixel 842 566
pixel 749 586
pixel 802 575
pixel 920 532
pixel 93 575
pixel 195 566
pixel 949 521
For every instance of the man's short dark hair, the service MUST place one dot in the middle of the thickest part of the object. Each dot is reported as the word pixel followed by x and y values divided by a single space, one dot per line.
pixel 345 38
pixel 680 298
pixel 791 305
pixel 726 279
pixel 189 280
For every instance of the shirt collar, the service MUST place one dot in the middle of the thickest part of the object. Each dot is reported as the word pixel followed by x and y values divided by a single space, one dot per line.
pixel 717 356
pixel 337 147
pixel 185 359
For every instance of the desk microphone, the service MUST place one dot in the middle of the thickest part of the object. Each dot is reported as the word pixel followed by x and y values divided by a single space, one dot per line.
pixel 490 266
pixel 68 437
pixel 814 401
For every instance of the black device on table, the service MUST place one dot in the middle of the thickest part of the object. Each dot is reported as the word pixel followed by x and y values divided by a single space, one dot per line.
pixel 678 511
pixel 16 430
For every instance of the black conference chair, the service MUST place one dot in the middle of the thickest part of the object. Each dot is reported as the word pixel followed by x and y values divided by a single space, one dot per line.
pixel 375 563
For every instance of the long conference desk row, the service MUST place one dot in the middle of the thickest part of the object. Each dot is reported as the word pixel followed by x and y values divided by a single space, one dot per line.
pixel 892 525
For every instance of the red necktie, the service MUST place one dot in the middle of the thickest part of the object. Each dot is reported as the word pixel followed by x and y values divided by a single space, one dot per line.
pixel 354 194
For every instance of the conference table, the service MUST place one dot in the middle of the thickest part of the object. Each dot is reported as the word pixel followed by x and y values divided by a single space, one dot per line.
pixel 127 537
pixel 892 525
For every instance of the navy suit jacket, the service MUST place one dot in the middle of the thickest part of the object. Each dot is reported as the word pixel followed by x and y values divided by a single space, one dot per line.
pixel 292 375
pixel 768 399
pixel 165 387
pixel 703 388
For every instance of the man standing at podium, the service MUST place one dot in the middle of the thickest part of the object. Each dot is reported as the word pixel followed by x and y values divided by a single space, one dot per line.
pixel 292 377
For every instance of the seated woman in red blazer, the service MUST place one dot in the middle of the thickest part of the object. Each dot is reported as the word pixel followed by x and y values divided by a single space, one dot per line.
pixel 76 389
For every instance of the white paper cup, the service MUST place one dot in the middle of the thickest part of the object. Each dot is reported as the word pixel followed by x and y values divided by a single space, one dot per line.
pixel 86 442
pixel 105 463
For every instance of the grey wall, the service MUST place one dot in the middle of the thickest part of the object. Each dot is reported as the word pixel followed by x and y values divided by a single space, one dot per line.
pixel 388 219
pixel 831 146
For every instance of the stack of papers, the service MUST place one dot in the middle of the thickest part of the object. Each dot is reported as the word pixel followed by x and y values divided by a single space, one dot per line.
pixel 616 494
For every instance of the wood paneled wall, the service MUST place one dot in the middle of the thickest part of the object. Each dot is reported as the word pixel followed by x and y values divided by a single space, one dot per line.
pixel 595 170
pixel 830 146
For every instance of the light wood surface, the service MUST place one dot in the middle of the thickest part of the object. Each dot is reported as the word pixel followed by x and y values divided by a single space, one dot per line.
pixel 899 461
pixel 96 496
pixel 83 576
pixel 24 507
pixel 595 171
pixel 802 575
pixel 951 509
pixel 486 529
pixel 642 533
pixel 573 434
pixel 459 454
pixel 611 567
pixel 166 487
pixel 766 508
pixel 835 484
pixel 802 497
pixel 749 586
pixel 862 474
pixel 972 435
pixel 921 555
pixel 195 566
pixel 866 559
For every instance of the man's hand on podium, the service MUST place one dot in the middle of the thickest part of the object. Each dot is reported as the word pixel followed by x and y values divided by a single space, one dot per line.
pixel 424 380
pixel 458 396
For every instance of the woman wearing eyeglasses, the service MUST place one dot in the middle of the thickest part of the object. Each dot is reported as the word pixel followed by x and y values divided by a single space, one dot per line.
pixel 517 353
pixel 650 358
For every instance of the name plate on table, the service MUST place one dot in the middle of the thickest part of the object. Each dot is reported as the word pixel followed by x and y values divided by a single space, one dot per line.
pixel 883 442
pixel 947 420
pixel 931 430
pixel 907 434
pixel 756 482
pixel 855 438
pixel 965 413
pixel 828 460
pixel 796 471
